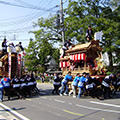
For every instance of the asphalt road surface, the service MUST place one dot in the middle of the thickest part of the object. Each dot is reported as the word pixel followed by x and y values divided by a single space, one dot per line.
pixel 46 106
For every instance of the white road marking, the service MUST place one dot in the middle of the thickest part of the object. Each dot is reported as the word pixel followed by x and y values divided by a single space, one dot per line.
pixel 91 108
pixel 59 101
pixel 112 105
pixel 70 103
pixel 44 97
pixel 14 112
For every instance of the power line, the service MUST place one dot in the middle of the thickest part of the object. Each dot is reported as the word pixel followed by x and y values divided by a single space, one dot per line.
pixel 24 20
pixel 28 17
pixel 30 7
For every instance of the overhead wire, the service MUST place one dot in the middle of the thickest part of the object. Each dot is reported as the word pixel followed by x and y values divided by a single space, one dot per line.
pixel 30 7
pixel 28 18
pixel 21 30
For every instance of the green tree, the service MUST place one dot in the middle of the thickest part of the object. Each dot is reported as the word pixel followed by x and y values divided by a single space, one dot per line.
pixel 31 59
pixel 100 16
pixel 56 54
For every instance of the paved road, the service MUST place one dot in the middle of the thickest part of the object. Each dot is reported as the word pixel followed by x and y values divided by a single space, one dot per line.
pixel 53 107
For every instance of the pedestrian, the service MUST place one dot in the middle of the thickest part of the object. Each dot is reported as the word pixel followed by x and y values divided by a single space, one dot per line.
pixel 56 84
pixel 89 34
pixel 106 86
pixel 43 78
pixel 75 85
pixel 64 83
pixel 6 85
pixel 1 90
pixel 81 86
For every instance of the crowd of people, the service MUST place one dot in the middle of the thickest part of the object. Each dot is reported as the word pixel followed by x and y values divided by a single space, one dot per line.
pixel 22 87
pixel 86 85
pixel 10 47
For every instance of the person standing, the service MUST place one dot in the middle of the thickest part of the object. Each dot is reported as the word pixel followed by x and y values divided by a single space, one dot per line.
pixel 1 90
pixel 56 83
pixel 4 47
pixel 81 82
pixel 6 85
pixel 65 84
pixel 75 85
pixel 89 34
pixel 20 45
pixel 43 78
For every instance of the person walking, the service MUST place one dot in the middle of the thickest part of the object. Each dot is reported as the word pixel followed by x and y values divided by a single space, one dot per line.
pixel 81 84
pixel 23 86
pixel 16 86
pixel 64 83
pixel 75 85
pixel 29 85
pixel 56 84
pixel 6 85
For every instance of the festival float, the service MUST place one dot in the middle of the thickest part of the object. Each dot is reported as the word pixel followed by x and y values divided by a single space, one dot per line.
pixel 85 57
pixel 11 63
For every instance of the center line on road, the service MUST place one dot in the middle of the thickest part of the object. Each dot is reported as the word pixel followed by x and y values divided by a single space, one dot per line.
pixel 112 105
pixel 72 113
pixel 59 101
pixel 91 108
pixel 28 99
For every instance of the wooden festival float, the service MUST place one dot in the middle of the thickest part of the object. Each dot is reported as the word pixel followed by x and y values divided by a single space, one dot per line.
pixel 11 63
pixel 84 58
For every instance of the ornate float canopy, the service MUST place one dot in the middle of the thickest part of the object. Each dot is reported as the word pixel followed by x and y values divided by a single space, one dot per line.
pixel 83 48
pixel 90 49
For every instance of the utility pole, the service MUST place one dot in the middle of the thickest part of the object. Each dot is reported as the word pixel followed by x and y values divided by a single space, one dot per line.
pixel 62 21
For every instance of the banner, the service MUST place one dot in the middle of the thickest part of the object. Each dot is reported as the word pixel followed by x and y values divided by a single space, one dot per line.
pixel 9 65
pixel 19 65
pixel 77 57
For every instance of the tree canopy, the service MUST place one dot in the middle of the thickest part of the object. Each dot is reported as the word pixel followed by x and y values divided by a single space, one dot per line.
pixel 100 14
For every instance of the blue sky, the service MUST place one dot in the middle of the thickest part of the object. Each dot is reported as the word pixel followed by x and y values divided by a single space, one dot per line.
pixel 16 21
